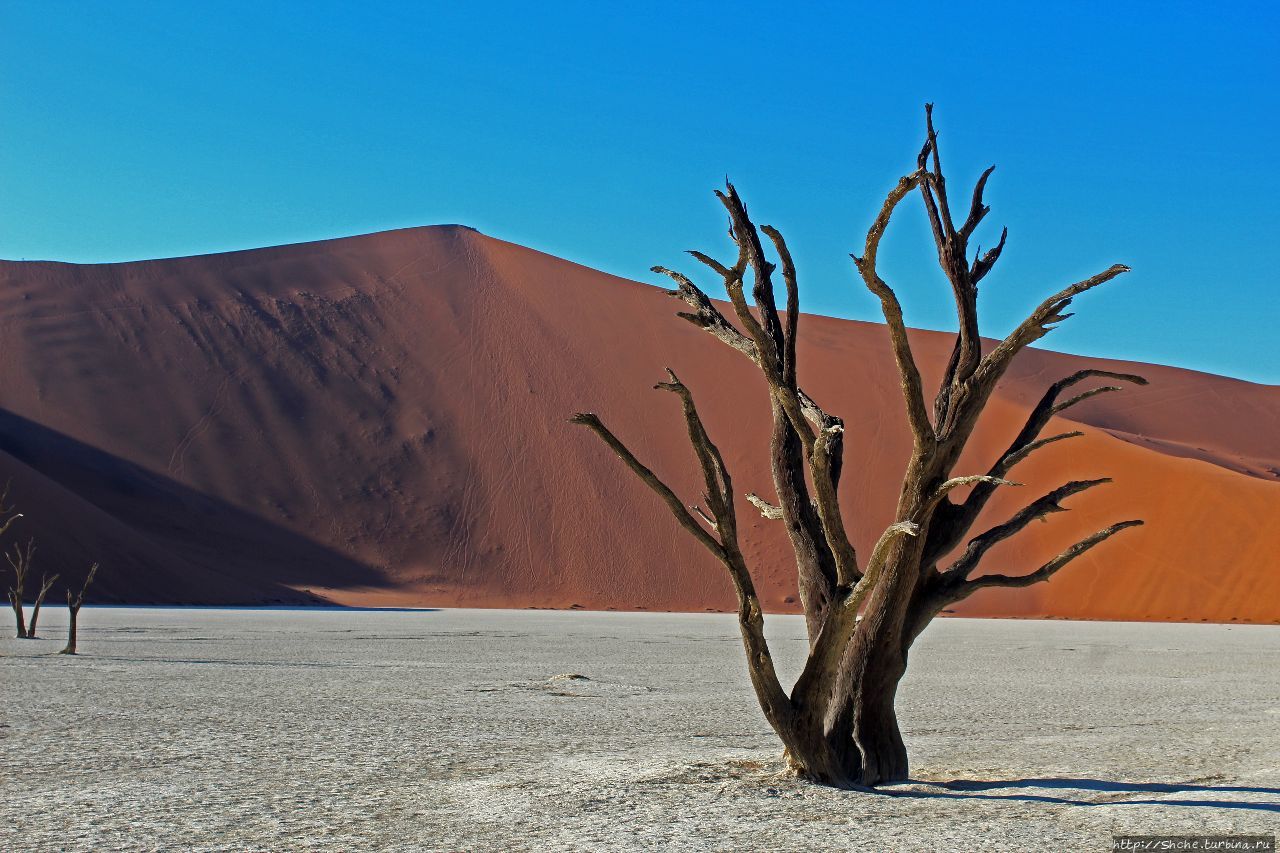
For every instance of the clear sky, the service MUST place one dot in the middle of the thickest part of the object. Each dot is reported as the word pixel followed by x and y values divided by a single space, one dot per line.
pixel 1123 132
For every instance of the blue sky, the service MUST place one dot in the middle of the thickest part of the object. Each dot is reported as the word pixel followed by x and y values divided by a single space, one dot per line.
pixel 1136 133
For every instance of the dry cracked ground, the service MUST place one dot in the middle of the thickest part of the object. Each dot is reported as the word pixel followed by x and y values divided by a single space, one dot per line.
pixel 497 730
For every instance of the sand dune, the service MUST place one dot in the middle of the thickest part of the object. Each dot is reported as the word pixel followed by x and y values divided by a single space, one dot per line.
pixel 382 420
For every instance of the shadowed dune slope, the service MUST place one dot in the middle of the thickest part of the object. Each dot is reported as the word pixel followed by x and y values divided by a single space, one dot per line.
pixel 383 420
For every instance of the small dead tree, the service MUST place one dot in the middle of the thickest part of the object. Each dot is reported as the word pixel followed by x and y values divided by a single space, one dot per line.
pixel 73 608
pixel 20 561
pixel 8 515
pixel 838 724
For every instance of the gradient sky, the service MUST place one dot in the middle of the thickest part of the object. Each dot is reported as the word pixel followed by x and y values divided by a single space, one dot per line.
pixel 1139 133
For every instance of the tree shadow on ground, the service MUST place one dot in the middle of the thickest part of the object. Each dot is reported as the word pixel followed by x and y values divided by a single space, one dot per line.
pixel 973 789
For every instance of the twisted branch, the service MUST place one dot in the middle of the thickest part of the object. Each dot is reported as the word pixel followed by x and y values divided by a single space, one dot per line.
pixel 719 497
pixel 1048 314
pixel 592 422
pixel 909 374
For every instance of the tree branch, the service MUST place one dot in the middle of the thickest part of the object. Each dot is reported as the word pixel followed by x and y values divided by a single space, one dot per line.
pixel 1016 456
pixel 879 556
pixel 977 209
pixel 20 561
pixel 686 520
pixel 8 514
pixel 764 331
pixel 793 303
pixel 767 510
pixel 1080 398
pixel 1039 508
pixel 1023 445
pixel 982 264
pixel 1047 570
pixel 826 451
pixel 78 601
pixel 828 506
pixel 706 316
pixel 909 374
pixel 952 248
pixel 1039 324
pixel 719 495
pixel 940 493
pixel 794 438
pixel 702 514
pixel 939 220
pixel 767 331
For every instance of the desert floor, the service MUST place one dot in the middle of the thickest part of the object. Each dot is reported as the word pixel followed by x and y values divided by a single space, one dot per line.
pixel 459 729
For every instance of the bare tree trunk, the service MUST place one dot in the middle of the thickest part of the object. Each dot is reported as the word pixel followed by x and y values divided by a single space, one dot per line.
pixel 838 724
pixel 74 612
pixel 875 721
pixel 35 616
pixel 15 600
pixel 74 603
pixel 46 583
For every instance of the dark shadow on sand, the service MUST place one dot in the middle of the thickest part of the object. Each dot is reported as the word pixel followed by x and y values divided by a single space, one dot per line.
pixel 968 789
pixel 184 546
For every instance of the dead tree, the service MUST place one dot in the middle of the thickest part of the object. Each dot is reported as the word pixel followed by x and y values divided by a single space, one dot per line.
pixel 73 608
pixel 838 724
pixel 8 515
pixel 20 561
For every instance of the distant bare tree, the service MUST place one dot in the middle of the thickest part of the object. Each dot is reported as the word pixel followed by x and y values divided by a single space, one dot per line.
pixel 73 607
pixel 20 561
pixel 838 723
pixel 8 515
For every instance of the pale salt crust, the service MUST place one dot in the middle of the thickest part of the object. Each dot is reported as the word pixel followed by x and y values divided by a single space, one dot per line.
pixel 450 730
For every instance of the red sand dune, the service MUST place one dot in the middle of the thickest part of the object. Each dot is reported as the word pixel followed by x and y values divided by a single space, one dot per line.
pixel 382 420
